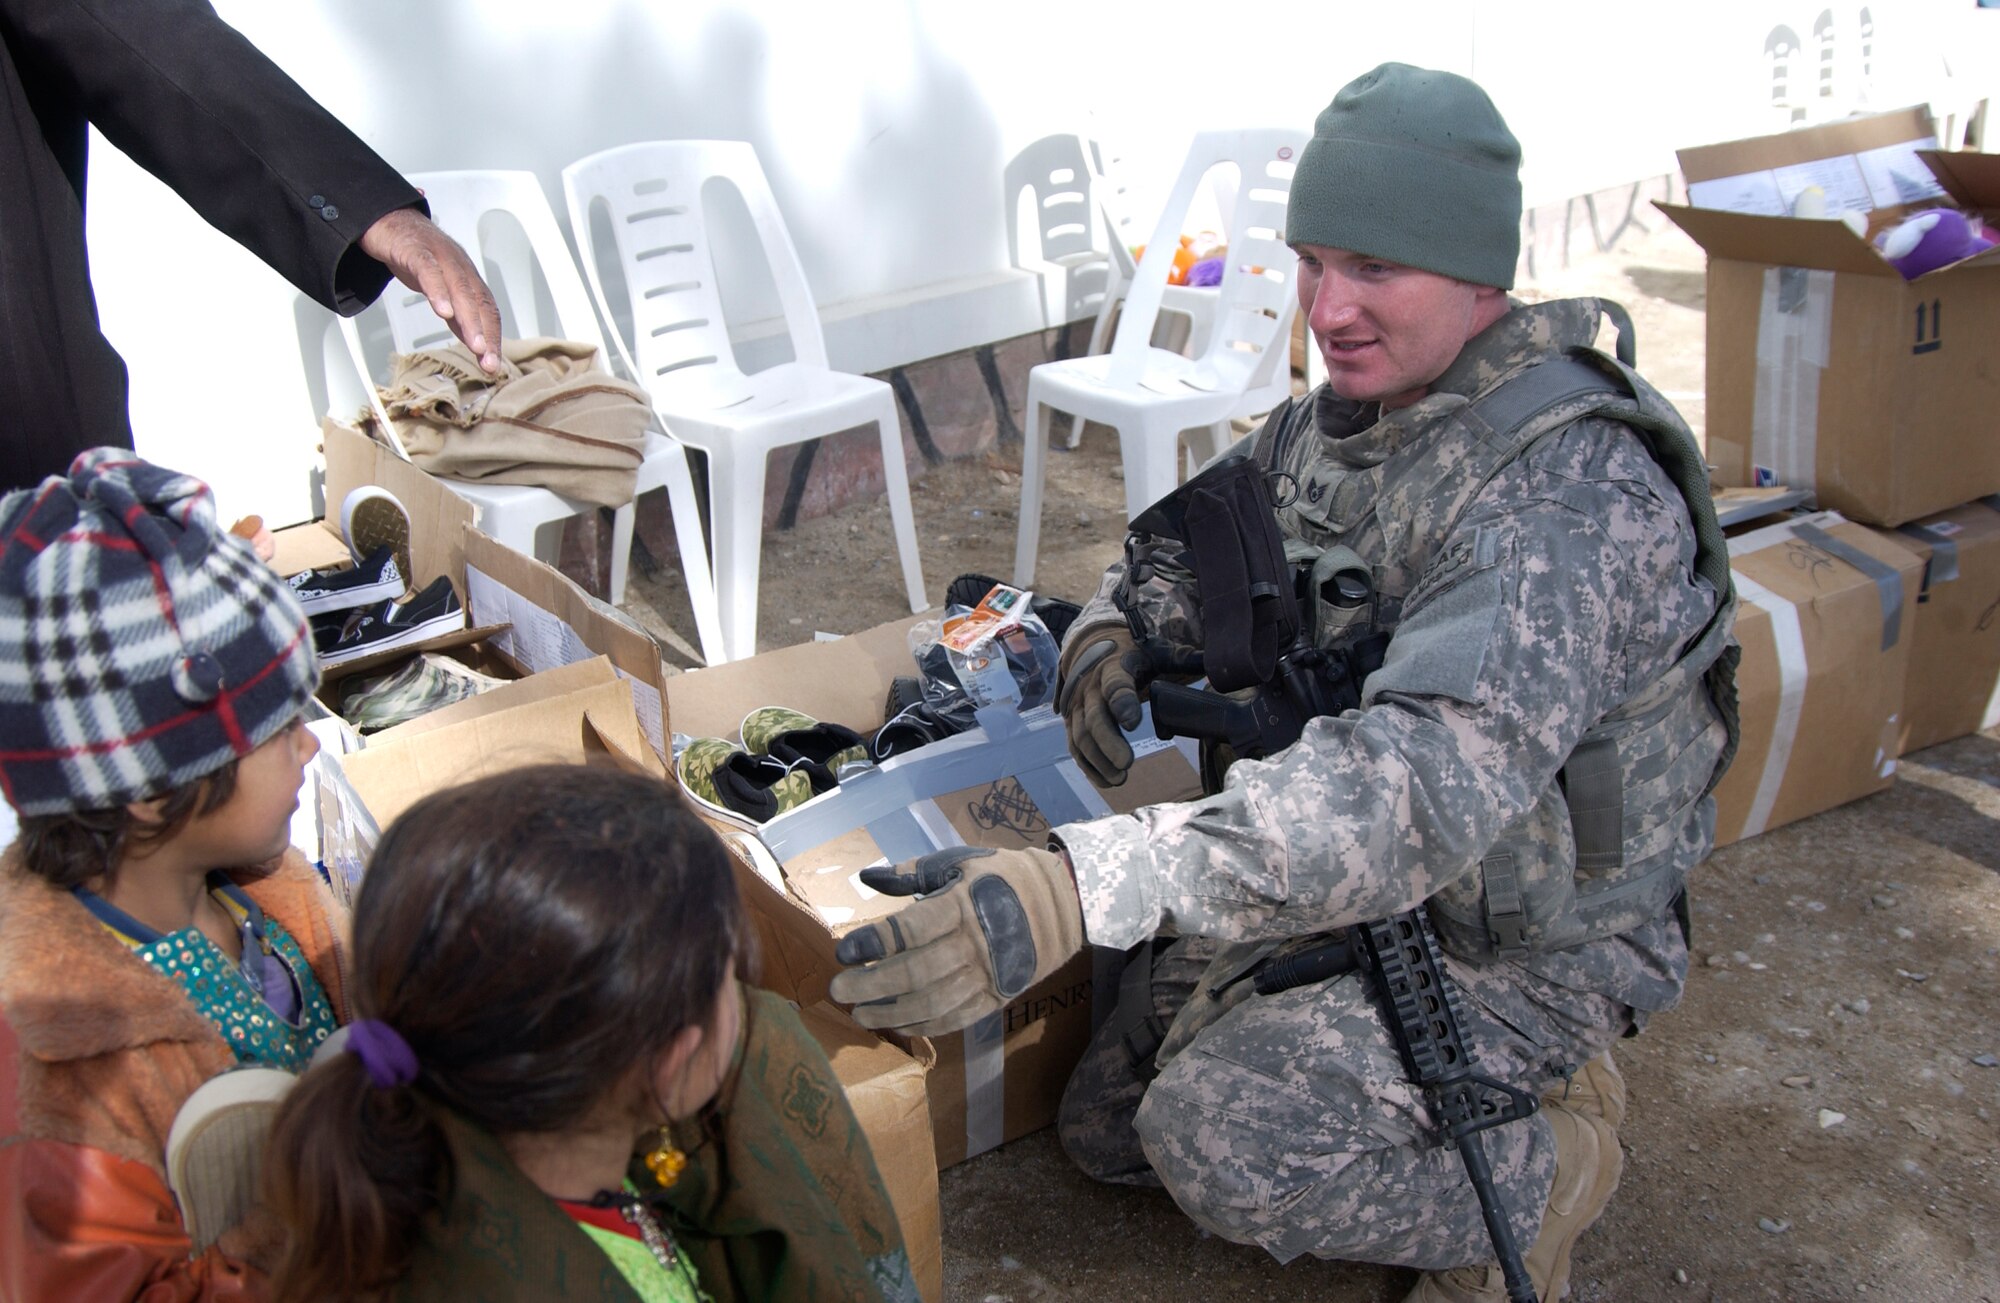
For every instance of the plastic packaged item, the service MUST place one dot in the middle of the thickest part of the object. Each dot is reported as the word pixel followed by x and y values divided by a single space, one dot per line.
pixel 1936 238
pixel 997 652
pixel 1001 651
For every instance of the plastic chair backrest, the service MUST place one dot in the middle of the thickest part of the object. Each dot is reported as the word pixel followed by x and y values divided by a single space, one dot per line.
pixel 461 203
pixel 1114 205
pixel 1055 171
pixel 1253 305
pixel 653 195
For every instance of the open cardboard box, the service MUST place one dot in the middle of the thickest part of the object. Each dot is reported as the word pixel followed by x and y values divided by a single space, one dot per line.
pixel 525 619
pixel 531 615
pixel 1955 650
pixel 439 520
pixel 1002 784
pixel 1826 617
pixel 1825 367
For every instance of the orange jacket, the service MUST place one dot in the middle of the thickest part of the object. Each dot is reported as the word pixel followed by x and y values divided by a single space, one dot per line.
pixel 97 1054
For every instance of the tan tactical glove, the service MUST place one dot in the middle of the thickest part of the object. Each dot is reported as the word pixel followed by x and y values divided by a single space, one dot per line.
pixel 990 925
pixel 1098 695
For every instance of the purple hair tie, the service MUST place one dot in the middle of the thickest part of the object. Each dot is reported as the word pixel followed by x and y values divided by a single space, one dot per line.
pixel 386 1056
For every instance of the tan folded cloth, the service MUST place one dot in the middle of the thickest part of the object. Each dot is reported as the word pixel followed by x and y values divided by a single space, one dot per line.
pixel 553 418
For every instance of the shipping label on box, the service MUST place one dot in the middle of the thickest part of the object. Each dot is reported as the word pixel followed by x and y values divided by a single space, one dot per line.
pixel 1826 369
pixel 1955 651
pixel 1825 615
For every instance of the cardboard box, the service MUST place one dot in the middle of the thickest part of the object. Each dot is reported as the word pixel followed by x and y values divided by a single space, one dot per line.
pixel 1002 784
pixel 885 1088
pixel 532 615
pixel 572 729
pixel 1825 367
pixel 1826 615
pixel 1955 651
pixel 439 521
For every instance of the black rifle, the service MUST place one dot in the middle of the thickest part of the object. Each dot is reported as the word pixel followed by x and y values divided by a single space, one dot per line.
pixel 1257 641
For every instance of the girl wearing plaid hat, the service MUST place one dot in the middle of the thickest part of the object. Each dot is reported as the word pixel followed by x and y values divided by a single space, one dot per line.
pixel 155 928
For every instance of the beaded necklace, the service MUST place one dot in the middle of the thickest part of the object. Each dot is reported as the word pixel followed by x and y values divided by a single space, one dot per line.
pixel 651 1262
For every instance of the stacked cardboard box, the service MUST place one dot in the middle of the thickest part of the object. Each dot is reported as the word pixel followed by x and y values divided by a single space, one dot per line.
pixel 1826 369
pixel 1829 372
pixel 1826 617
pixel 1955 654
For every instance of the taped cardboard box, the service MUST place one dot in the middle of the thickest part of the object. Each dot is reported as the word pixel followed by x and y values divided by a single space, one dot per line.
pixel 885 1088
pixel 1826 613
pixel 1825 367
pixel 529 614
pixel 439 520
pixel 1955 651
pixel 1003 784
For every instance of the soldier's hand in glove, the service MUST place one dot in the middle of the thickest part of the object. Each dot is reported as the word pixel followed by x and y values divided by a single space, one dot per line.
pixel 990 925
pixel 1098 695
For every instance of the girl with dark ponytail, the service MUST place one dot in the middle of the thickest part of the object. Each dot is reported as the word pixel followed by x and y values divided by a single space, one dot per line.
pixel 555 1087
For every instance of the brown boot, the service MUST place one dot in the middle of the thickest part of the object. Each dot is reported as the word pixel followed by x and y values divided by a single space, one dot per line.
pixel 1597 1088
pixel 1588 1164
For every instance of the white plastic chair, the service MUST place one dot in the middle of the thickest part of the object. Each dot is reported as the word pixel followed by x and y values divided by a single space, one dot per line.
pixel 1075 272
pixel 1150 395
pixel 681 351
pixel 461 204
pixel 1195 302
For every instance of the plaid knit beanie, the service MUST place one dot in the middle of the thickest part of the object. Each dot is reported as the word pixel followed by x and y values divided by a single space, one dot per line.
pixel 141 648
pixel 1415 167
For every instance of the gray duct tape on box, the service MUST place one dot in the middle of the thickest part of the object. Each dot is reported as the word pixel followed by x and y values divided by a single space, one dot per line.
pixel 1794 328
pixel 1943 565
pixel 1888 580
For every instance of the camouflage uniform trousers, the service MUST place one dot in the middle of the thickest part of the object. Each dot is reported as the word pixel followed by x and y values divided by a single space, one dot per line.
pixel 1289 1122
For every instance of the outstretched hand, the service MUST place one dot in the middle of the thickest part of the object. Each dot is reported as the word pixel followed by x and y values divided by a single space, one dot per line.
pixel 430 262
pixel 990 924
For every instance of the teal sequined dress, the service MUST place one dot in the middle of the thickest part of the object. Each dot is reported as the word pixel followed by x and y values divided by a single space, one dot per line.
pixel 269 1007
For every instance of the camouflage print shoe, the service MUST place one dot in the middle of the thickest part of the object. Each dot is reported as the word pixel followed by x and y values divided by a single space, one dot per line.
pixel 803 744
pixel 695 766
pixel 739 787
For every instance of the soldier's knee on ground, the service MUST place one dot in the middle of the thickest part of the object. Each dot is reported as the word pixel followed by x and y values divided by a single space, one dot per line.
pixel 1327 1186
pixel 1094 1119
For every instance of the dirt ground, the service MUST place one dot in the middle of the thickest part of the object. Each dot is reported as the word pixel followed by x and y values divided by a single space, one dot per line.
pixel 1816 1122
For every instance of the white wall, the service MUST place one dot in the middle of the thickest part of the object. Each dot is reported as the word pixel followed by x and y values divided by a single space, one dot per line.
pixel 885 127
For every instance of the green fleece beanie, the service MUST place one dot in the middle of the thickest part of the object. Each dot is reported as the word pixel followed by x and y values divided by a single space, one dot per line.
pixel 1415 167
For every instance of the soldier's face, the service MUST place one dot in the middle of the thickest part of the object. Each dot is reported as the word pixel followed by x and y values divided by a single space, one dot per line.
pixel 1386 330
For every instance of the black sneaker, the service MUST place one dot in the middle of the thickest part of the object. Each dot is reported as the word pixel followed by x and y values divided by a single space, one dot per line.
pixel 436 610
pixel 376 580
pixel 913 722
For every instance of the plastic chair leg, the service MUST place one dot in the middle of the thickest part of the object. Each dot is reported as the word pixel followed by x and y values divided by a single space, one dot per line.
pixel 1152 465
pixel 695 568
pixel 1034 457
pixel 897 473
pixel 1100 338
pixel 736 497
pixel 622 521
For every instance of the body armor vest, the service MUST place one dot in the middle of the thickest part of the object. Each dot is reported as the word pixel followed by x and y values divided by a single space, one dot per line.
pixel 1577 867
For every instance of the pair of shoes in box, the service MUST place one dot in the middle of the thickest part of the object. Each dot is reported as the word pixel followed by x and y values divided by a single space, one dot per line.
pixel 362 610
pixel 786 758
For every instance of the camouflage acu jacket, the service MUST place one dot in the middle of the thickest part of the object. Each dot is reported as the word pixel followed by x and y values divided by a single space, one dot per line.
pixel 1523 609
